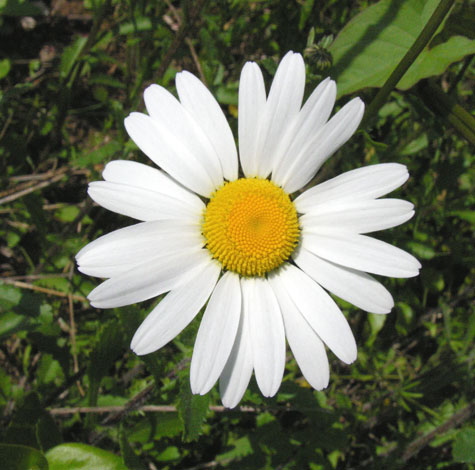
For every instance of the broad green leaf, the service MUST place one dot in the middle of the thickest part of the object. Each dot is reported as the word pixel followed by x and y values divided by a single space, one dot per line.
pixel 19 301
pixel 70 56
pixel 421 250
pixel 415 145
pixel 435 61
pixel 47 432
pixel 74 456
pixel 463 449
pixel 239 448
pixel 67 213
pixel 156 426
pixel 129 457
pixel 371 45
pixel 9 296
pixel 99 156
pixel 16 457
pixel 169 454
pixel 376 322
pixel 11 323
pixel 5 65
pixel 22 429
pixel 192 410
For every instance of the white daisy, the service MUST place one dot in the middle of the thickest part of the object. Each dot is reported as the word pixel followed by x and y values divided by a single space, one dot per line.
pixel 260 260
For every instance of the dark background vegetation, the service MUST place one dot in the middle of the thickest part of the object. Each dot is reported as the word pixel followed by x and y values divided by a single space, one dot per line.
pixel 70 71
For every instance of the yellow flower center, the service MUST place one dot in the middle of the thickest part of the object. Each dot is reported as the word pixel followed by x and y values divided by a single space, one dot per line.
pixel 250 226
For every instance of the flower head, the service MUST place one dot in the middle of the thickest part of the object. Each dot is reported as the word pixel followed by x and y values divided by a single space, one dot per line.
pixel 260 259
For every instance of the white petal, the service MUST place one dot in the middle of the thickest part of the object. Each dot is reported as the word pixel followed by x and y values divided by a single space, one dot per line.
pixel 173 118
pixel 238 369
pixel 329 139
pixel 355 287
pixel 282 107
pixel 123 249
pixel 305 344
pixel 176 310
pixel 364 183
pixel 310 119
pixel 357 216
pixel 201 104
pixel 319 309
pixel 267 334
pixel 148 279
pixel 362 253
pixel 252 101
pixel 140 204
pixel 216 335
pixel 169 153
pixel 145 177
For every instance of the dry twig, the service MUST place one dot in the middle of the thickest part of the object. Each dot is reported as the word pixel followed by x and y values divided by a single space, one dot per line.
pixel 458 418
pixel 44 290
pixel 144 409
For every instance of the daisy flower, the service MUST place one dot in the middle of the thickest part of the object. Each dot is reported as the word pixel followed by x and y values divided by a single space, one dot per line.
pixel 234 234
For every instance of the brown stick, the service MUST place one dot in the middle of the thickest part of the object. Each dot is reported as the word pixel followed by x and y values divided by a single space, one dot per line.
pixel 458 418
pixel 33 277
pixel 35 187
pixel 185 27
pixel 44 290
pixel 196 60
pixel 145 409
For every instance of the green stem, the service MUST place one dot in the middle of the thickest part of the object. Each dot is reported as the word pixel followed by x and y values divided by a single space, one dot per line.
pixel 444 105
pixel 419 44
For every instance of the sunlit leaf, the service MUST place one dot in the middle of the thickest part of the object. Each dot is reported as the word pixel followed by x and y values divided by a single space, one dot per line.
pixel 371 45
pixel 464 446
pixel 74 456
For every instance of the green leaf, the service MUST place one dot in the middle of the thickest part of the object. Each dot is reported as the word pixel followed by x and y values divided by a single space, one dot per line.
pixel 29 423
pixel 463 449
pixel 101 155
pixel 371 45
pixel 20 8
pixel 415 145
pixel 192 410
pixel 74 456
pixel 435 61
pixel 67 213
pixel 305 11
pixel 140 24
pixel 5 65
pixel 47 432
pixel 129 457
pixel 11 323
pixel 376 322
pixel 107 348
pixel 103 79
pixel 70 56
pixel 156 426
pixel 22 458
pixel 239 448
pixel 421 250
pixel 467 215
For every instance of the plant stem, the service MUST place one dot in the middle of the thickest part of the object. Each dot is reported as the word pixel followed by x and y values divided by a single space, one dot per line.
pixel 411 55
pixel 444 105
